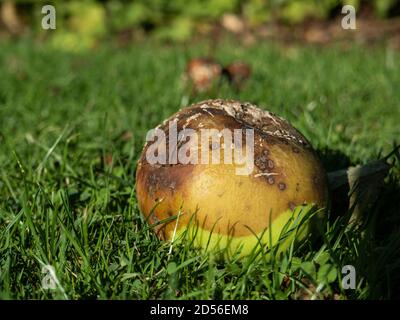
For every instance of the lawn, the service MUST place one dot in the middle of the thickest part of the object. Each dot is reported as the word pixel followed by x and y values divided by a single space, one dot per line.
pixel 71 130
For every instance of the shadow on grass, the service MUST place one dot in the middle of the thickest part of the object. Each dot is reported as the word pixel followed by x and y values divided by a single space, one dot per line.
pixel 372 245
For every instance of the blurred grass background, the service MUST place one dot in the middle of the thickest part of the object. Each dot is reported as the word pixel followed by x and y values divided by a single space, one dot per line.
pixel 80 24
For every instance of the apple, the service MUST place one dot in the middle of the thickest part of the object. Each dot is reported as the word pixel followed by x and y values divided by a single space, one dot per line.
pixel 230 176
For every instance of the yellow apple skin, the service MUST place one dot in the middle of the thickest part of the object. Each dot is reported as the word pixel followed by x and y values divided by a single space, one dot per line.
pixel 221 209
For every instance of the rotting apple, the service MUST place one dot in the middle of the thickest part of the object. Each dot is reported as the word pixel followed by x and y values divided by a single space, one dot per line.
pixel 202 74
pixel 213 204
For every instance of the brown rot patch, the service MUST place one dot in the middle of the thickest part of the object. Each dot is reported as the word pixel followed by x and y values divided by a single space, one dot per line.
pixel 296 150
pixel 281 186
pixel 157 180
pixel 261 162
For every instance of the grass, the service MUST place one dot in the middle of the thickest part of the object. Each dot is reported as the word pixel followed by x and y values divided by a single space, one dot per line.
pixel 72 127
